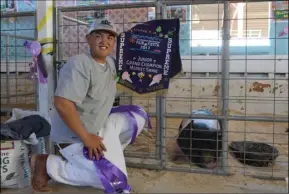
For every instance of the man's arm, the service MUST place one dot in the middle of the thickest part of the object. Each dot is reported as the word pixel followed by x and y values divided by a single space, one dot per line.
pixel 72 87
pixel 68 113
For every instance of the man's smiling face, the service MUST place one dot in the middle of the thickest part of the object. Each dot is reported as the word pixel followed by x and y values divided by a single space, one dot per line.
pixel 101 44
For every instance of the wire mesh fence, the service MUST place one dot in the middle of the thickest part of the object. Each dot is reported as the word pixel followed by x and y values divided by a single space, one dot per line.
pixel 250 79
pixel 17 90
pixel 235 80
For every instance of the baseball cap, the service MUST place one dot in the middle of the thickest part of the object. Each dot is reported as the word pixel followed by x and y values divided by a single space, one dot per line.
pixel 102 24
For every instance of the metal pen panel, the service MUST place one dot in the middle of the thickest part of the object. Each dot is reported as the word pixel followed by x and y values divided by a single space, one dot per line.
pixel 235 63
pixel 72 26
pixel 233 66
pixel 225 84
pixel 17 90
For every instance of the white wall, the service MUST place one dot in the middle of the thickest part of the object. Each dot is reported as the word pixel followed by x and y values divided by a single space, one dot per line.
pixel 238 63
pixel 20 66
pixel 258 95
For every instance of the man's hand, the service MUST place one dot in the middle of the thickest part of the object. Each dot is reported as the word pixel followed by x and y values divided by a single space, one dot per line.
pixel 94 145
pixel 69 115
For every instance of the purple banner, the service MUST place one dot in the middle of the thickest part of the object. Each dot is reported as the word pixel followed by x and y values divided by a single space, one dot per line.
pixel 112 178
pixel 148 56
pixel 138 110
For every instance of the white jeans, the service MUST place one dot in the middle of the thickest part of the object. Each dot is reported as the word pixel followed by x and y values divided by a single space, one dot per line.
pixel 79 171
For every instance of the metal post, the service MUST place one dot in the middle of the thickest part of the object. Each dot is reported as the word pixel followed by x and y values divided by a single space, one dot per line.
pixel 45 36
pixel 158 102
pixel 7 70
pixel 71 19
pixel 107 6
pixel 160 139
pixel 225 85
pixel 58 26
pixel 162 105
pixel 17 36
pixel 36 89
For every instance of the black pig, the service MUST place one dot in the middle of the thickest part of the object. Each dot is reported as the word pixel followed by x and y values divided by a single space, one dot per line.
pixel 200 145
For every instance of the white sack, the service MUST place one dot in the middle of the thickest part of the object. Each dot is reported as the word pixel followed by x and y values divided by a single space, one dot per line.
pixel 79 171
pixel 15 168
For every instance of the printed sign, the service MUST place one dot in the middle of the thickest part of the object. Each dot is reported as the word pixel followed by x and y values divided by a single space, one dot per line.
pixel 65 3
pixel 280 10
pixel 91 16
pixel 86 18
pixel 151 13
pixel 7 145
pixel 8 5
pixel 3 6
pixel 148 56
pixel 26 5
pixel 14 165
pixel 91 2
pixel 281 14
pixel 177 12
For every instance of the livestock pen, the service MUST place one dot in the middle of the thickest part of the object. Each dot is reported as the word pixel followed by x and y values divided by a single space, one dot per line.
pixel 235 64
pixel 17 90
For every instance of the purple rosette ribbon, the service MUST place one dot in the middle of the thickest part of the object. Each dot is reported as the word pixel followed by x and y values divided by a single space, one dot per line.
pixel 132 108
pixel 111 177
pixel 35 49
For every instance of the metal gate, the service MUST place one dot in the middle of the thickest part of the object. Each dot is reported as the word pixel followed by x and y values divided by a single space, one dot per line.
pixel 246 92
pixel 17 90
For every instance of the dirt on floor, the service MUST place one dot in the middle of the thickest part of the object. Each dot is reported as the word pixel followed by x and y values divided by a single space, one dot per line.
pixel 152 181
pixel 266 132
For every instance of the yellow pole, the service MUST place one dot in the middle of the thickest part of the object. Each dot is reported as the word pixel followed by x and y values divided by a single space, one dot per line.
pixel 45 91
pixel 45 37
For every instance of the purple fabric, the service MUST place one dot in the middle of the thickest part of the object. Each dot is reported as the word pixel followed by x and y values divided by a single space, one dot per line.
pixel 42 79
pixel 27 44
pixel 112 178
pixel 35 51
pixel 132 108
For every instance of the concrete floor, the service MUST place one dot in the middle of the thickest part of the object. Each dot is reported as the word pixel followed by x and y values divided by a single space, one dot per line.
pixel 145 181
pixel 57 188
pixel 249 188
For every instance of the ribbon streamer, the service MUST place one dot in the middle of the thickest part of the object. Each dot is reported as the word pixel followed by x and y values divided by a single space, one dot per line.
pixel 132 108
pixel 35 49
pixel 112 178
